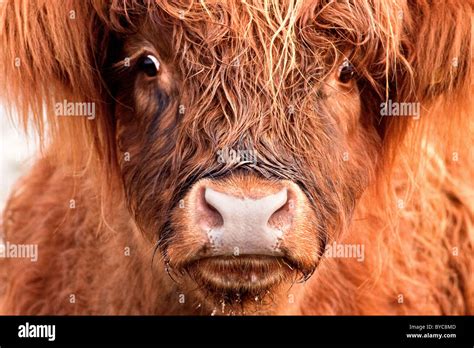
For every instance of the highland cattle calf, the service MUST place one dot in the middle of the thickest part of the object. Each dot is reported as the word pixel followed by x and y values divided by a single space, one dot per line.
pixel 241 157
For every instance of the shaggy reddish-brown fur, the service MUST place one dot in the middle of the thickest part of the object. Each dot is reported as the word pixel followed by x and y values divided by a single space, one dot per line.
pixel 230 70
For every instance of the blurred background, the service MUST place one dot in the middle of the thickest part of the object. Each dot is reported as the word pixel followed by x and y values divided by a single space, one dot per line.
pixel 17 153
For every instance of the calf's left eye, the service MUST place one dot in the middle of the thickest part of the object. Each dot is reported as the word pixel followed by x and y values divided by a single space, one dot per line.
pixel 150 65
pixel 346 71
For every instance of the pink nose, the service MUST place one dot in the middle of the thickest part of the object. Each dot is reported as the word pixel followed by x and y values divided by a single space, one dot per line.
pixel 243 225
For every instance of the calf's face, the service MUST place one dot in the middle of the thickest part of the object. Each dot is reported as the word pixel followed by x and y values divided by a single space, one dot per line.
pixel 242 148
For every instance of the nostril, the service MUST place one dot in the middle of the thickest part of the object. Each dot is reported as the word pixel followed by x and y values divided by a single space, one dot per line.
pixel 283 217
pixel 207 214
